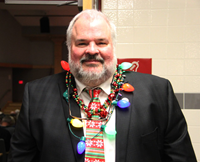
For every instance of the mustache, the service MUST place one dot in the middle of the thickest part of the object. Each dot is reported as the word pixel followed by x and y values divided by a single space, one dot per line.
pixel 89 57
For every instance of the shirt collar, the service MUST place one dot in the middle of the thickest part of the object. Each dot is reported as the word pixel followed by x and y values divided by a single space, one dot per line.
pixel 104 86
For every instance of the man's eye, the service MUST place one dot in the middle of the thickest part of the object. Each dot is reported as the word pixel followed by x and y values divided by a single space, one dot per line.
pixel 102 43
pixel 81 44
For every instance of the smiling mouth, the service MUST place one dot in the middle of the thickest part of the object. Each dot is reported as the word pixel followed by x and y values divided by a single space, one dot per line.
pixel 92 63
pixel 92 60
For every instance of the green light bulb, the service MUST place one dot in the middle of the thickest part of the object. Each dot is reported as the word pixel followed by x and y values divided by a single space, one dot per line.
pixel 125 65
pixel 110 131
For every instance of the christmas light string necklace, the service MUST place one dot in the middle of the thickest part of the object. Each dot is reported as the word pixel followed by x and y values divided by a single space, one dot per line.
pixel 117 85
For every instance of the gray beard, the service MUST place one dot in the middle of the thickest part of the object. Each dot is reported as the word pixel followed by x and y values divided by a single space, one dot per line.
pixel 91 78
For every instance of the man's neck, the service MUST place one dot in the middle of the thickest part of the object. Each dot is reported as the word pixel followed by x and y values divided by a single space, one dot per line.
pixel 80 86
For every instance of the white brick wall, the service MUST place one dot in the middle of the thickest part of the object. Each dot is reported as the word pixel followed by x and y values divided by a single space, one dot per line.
pixel 168 31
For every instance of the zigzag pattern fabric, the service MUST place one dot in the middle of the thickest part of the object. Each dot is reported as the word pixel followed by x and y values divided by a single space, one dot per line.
pixel 94 146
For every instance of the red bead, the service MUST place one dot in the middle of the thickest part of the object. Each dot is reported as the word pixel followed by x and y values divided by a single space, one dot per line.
pixel 89 114
pixel 115 84
pixel 103 109
pixel 112 95
pixel 103 114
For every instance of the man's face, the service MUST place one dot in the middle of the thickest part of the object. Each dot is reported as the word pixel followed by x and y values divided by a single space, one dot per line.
pixel 92 49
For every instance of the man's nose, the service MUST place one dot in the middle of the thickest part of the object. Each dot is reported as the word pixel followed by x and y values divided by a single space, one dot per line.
pixel 92 48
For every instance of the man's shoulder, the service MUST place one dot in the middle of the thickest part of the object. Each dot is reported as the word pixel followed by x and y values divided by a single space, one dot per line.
pixel 145 79
pixel 137 75
pixel 147 83
pixel 48 81
pixel 50 78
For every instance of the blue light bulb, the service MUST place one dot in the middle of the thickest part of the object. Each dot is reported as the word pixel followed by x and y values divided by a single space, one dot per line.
pixel 123 103
pixel 81 145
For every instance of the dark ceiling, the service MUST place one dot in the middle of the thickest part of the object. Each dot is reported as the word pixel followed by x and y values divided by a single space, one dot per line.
pixel 59 12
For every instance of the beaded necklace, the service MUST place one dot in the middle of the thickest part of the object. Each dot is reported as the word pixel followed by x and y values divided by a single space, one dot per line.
pixel 116 85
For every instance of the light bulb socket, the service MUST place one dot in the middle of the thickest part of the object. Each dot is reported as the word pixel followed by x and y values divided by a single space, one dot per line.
pixel 83 138
pixel 69 120
pixel 103 127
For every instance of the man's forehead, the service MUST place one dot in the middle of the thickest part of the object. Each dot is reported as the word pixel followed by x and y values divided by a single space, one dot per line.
pixel 96 28
pixel 89 22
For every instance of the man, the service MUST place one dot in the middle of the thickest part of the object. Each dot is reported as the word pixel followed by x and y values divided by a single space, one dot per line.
pixel 151 129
